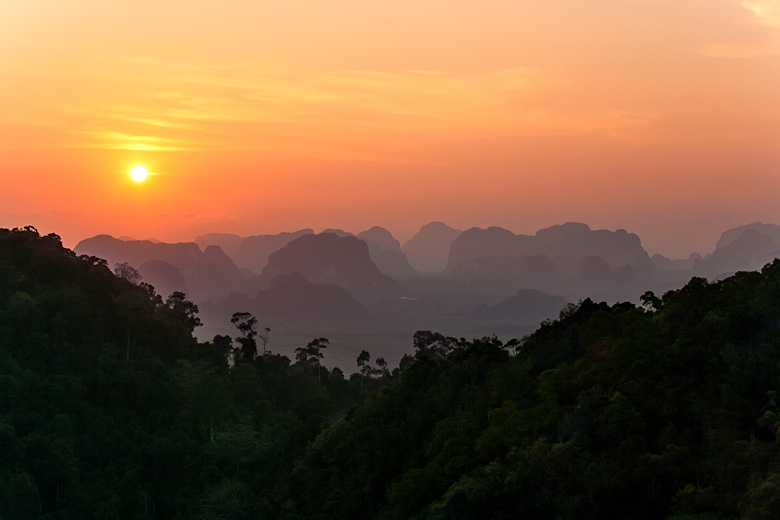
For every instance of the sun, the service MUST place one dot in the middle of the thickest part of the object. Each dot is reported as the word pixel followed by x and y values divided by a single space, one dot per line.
pixel 138 173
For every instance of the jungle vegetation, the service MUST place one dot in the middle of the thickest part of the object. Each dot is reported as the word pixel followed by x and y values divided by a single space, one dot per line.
pixel 109 408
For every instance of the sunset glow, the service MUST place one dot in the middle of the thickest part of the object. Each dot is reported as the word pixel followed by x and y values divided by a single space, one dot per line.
pixel 655 116
pixel 138 173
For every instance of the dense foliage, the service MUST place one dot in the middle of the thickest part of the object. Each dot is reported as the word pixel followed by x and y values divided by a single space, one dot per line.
pixel 110 409
pixel 666 411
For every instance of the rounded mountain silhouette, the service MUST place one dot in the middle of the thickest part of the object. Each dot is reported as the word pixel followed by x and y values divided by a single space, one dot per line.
pixel 327 258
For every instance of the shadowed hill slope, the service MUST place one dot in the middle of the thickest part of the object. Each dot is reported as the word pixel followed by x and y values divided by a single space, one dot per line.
pixel 329 259
pixel 253 251
pixel 209 274
pixel 745 248
pixel 291 299
pixel 429 248
pixel 386 252
pixel 529 303
pixel 567 244
pixel 608 412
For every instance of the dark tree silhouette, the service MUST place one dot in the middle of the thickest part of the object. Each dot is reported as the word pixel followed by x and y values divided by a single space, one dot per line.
pixel 265 337
pixel 650 301
pixel 183 310
pixel 381 366
pixel 362 361
pixel 247 326
pixel 312 353
pixel 128 272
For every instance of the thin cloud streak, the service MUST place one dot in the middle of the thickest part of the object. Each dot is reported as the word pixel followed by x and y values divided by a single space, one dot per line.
pixel 764 12
pixel 759 50
pixel 767 11
pixel 271 107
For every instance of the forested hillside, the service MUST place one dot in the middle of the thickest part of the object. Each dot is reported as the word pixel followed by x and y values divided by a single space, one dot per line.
pixel 666 411
pixel 110 409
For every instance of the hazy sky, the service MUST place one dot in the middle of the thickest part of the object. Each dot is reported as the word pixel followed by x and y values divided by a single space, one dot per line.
pixel 658 116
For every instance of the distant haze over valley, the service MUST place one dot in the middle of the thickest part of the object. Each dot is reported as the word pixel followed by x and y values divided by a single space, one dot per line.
pixel 367 288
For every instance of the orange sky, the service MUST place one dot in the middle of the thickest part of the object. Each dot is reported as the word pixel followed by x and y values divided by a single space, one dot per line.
pixel 658 116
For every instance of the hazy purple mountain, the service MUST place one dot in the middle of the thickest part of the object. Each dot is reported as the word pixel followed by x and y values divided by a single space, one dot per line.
pixel 566 244
pixel 491 242
pixel 743 248
pixel 338 232
pixel 127 238
pixel 594 269
pixel 381 238
pixel 329 259
pixel 165 277
pixel 576 240
pixel 526 305
pixel 183 255
pixel 748 250
pixel 507 274
pixel 427 251
pixel 253 251
pixel 385 252
pixel 597 280
pixel 215 275
pixel 291 297
pixel 227 241
pixel 770 230
pixel 663 263
pixel 209 274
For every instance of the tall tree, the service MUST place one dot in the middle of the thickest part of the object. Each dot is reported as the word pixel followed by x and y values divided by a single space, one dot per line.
pixel 312 353
pixel 183 310
pixel 128 272
pixel 265 337
pixel 381 369
pixel 247 326
pixel 362 362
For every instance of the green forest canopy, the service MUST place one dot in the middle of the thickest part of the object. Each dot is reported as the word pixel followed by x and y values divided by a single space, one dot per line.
pixel 109 408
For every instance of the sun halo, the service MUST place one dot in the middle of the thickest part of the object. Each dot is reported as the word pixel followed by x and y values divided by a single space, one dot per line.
pixel 138 173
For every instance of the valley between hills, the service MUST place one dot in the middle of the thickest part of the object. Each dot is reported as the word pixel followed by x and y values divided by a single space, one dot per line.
pixel 368 291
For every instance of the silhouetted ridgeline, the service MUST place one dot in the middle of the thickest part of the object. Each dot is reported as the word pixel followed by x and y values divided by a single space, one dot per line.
pixel 291 298
pixel 109 408
pixel 429 248
pixel 404 288
pixel 332 259
pixel 569 260
pixel 386 253
pixel 209 274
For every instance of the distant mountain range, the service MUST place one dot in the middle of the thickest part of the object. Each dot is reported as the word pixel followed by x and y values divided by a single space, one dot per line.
pixel 205 274
pixel 471 281
pixel 328 258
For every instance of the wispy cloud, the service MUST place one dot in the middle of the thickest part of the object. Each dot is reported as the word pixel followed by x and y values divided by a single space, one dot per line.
pixel 756 50
pixel 766 11
pixel 763 12
pixel 160 105
pixel 137 103
pixel 114 140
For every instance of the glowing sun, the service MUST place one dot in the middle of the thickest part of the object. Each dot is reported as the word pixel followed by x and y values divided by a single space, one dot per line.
pixel 138 173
